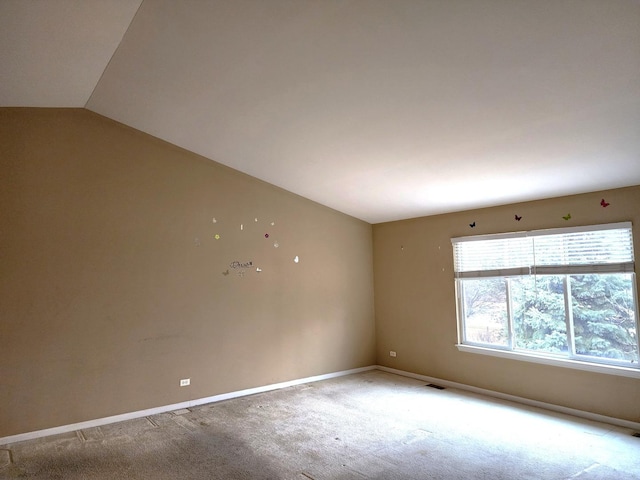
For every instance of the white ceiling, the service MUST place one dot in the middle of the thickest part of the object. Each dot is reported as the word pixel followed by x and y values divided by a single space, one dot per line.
pixel 53 52
pixel 382 109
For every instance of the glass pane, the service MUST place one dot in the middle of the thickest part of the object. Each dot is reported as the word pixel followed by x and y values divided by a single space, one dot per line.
pixel 539 320
pixel 485 308
pixel 604 316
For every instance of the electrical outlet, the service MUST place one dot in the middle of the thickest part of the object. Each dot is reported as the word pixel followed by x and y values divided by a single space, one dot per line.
pixel 185 382
pixel 392 353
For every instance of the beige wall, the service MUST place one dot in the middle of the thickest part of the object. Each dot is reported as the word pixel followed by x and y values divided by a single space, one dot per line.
pixel 112 286
pixel 416 312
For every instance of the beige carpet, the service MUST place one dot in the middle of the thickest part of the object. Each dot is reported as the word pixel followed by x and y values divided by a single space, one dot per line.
pixel 372 425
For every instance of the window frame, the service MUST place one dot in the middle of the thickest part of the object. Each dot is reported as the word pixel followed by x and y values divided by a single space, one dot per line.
pixel 571 359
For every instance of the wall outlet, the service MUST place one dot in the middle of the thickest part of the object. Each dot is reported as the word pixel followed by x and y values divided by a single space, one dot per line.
pixel 185 382
pixel 392 353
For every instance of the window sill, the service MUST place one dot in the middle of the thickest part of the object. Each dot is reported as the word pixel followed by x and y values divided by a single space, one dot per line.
pixel 557 362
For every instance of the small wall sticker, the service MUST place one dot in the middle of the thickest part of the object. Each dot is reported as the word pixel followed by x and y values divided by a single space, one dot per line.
pixel 518 218
pixel 238 264
pixel 604 204
pixel 472 225
pixel 567 216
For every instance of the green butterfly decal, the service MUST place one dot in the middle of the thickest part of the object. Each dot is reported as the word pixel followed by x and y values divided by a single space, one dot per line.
pixel 567 216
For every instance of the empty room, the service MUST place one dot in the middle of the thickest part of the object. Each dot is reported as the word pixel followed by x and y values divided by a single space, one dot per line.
pixel 319 239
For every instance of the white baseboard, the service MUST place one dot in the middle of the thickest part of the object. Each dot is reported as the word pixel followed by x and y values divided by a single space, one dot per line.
pixel 513 398
pixel 176 406
pixel 276 386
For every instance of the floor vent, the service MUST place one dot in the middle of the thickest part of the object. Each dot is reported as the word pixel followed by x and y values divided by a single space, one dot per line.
pixel 636 434
pixel 433 385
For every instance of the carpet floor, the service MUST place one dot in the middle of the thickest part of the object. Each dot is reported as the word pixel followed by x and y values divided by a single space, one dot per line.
pixel 371 425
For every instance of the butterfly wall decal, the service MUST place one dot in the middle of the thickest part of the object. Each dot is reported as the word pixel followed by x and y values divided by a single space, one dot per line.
pixel 472 225
pixel 518 218
pixel 567 216
pixel 604 204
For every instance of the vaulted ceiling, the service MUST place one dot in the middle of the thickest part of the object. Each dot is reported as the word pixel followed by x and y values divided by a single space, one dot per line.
pixel 382 109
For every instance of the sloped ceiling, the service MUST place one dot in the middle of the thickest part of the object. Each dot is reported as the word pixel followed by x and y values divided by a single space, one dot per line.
pixel 382 109
pixel 53 52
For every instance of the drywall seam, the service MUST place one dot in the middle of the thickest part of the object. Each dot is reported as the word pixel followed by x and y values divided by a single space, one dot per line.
pixel 176 406
pixel 513 398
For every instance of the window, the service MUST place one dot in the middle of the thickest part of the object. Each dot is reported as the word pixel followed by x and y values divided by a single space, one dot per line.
pixel 562 296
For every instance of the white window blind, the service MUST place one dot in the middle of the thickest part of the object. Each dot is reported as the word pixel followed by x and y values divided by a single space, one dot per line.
pixel 591 249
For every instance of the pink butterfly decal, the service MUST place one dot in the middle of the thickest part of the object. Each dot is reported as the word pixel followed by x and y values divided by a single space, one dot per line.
pixel 604 204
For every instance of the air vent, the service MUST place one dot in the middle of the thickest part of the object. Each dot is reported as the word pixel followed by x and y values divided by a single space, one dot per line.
pixel 433 385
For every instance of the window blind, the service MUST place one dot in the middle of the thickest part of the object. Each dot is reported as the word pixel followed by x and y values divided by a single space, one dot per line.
pixel 591 249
